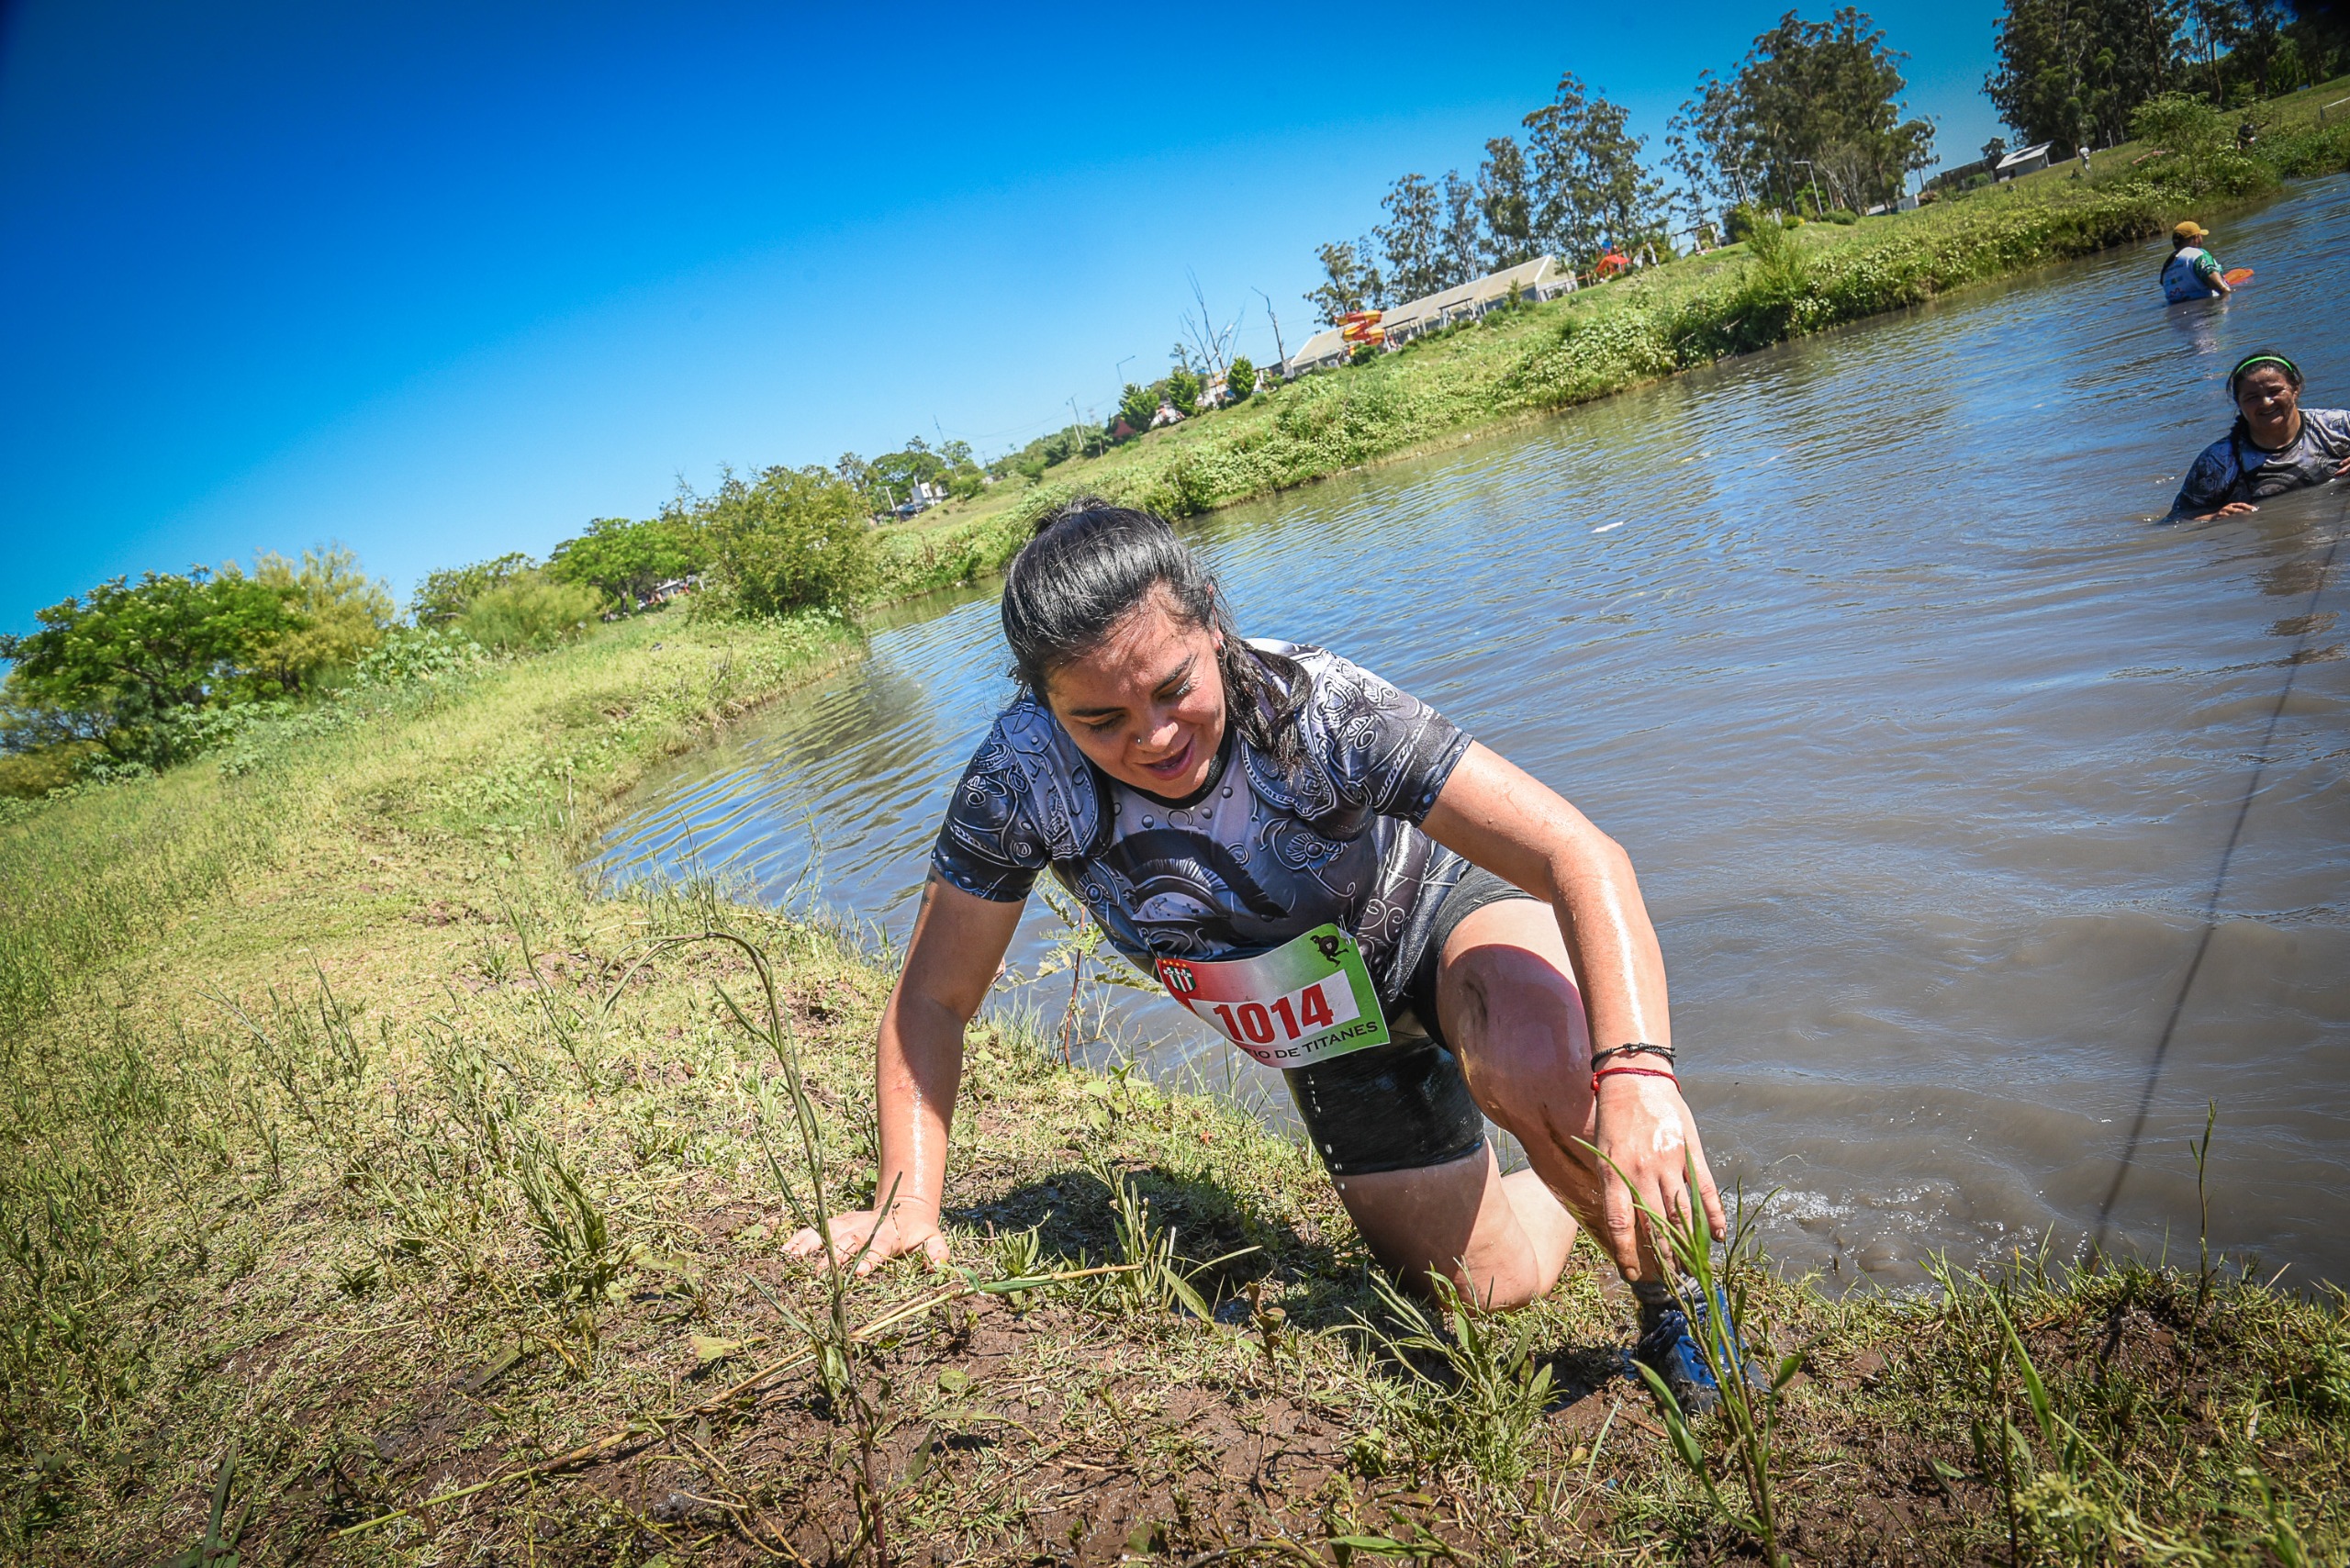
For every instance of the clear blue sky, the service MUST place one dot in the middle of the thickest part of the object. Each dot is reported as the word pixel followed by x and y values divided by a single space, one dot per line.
pixel 440 281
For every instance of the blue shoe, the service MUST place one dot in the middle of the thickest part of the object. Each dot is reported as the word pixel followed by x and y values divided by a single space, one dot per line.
pixel 1668 1347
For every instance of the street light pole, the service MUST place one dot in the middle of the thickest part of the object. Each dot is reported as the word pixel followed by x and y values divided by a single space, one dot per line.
pixel 1817 210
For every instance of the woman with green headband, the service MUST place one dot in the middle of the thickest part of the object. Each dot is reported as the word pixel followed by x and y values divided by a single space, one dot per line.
pixel 2276 445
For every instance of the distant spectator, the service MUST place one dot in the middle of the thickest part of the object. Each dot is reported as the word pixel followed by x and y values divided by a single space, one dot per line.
pixel 2192 271
pixel 2276 445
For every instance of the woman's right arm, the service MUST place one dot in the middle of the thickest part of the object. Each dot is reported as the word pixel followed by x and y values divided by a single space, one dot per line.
pixel 957 948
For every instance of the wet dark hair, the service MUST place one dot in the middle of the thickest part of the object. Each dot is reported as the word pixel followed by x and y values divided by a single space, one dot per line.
pixel 2253 361
pixel 1088 565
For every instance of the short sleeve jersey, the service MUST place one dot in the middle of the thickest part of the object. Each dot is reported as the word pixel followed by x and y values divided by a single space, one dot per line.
pixel 1259 857
pixel 2232 469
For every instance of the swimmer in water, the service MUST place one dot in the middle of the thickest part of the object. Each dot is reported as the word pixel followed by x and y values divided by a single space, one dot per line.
pixel 2192 271
pixel 2276 445
pixel 1346 886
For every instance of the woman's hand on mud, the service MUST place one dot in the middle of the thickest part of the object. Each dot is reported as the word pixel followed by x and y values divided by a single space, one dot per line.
pixel 893 1236
pixel 1646 1132
pixel 2234 508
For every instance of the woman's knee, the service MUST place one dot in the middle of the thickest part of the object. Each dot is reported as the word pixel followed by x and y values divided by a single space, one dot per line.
pixel 1509 1004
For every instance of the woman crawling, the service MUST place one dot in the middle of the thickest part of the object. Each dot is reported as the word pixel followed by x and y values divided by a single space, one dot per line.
pixel 1344 885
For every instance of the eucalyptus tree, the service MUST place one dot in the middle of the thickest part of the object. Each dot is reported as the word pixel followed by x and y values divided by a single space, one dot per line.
pixel 1505 208
pixel 1412 238
pixel 1811 100
pixel 1587 184
pixel 2072 71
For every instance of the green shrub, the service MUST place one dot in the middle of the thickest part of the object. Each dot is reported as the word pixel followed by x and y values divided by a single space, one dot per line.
pixel 1183 392
pixel 30 775
pixel 529 612
pixel 2180 124
pixel 409 655
pixel 625 560
pixel 798 539
pixel 443 595
pixel 1241 380
pixel 1843 214
pixel 1138 405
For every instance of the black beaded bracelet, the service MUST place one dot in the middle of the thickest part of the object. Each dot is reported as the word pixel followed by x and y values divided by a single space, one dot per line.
pixel 1637 1047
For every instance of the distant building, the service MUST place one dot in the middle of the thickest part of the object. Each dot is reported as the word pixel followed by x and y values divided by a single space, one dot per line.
pixel 1959 175
pixel 2023 161
pixel 1540 279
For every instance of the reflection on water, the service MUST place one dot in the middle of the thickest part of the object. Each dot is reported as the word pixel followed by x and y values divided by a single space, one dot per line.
pixel 1927 739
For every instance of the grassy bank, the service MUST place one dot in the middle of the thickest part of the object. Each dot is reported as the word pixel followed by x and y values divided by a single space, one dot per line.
pixel 358 1155
pixel 1524 362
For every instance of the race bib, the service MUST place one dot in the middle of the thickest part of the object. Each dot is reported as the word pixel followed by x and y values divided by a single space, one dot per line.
pixel 1305 1002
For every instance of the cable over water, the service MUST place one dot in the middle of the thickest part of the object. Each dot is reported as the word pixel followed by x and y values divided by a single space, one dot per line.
pixel 2220 881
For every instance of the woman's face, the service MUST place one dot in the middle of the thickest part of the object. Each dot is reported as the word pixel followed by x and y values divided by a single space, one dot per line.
pixel 1147 705
pixel 2267 398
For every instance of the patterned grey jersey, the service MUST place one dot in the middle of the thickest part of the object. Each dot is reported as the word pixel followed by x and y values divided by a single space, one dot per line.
pixel 1259 857
pixel 2232 469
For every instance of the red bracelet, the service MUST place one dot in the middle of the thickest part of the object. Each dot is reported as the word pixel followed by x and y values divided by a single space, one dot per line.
pixel 1635 1072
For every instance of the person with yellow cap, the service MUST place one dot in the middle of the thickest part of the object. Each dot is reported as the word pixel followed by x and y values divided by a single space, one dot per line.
pixel 2192 271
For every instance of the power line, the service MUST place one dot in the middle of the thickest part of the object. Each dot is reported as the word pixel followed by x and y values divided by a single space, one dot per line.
pixel 2210 924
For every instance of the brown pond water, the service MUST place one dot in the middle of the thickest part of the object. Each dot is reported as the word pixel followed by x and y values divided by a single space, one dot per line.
pixel 1986 840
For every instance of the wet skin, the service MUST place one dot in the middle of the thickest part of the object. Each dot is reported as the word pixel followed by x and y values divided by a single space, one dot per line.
pixel 1148 707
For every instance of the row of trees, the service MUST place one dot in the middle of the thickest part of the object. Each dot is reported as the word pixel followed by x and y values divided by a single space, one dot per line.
pixel 888 481
pixel 2072 71
pixel 1811 102
pixel 145 673
pixel 1573 184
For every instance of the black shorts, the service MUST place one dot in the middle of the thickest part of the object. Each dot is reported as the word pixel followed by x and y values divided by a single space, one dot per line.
pixel 1405 1104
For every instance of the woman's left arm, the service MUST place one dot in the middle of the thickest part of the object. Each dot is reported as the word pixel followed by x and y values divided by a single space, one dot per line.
pixel 1496 815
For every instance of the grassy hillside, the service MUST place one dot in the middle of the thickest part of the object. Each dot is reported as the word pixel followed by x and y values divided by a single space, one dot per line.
pixel 373 1191
pixel 1525 362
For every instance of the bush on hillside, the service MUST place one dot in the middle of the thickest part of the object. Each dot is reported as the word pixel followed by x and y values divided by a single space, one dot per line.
pixel 1184 392
pixel 408 654
pixel 443 595
pixel 343 612
pixel 625 560
pixel 1241 380
pixel 2180 124
pixel 114 665
pixel 796 540
pixel 1138 405
pixel 30 775
pixel 532 611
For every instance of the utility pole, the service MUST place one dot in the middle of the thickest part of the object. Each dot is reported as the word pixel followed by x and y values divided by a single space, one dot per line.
pixel 1277 324
pixel 1816 208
